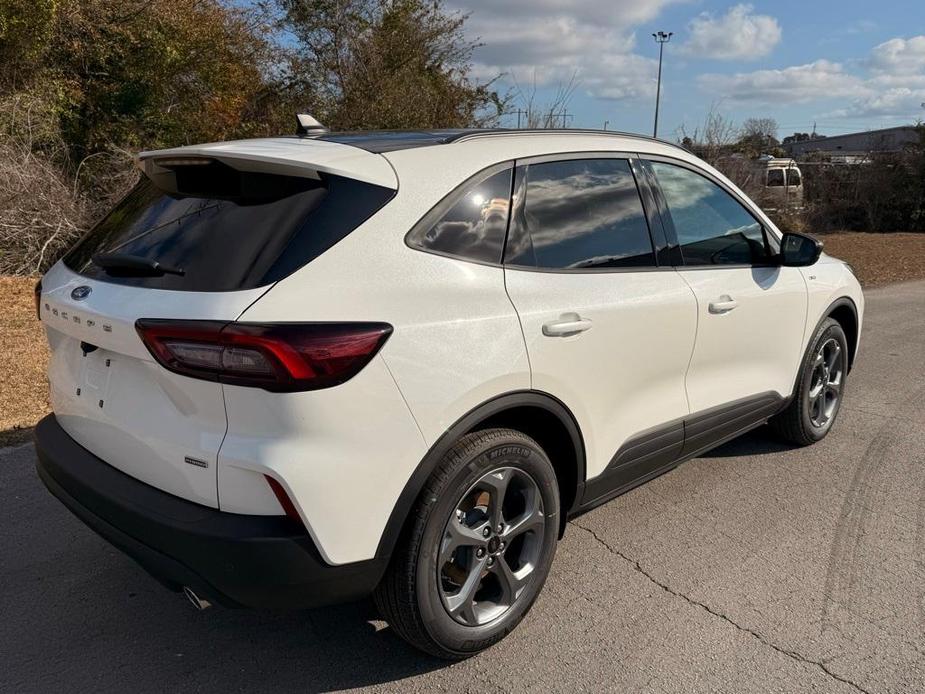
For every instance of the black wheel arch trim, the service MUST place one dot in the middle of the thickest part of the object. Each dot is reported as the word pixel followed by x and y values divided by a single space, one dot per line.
pixel 827 313
pixel 470 420
pixel 838 303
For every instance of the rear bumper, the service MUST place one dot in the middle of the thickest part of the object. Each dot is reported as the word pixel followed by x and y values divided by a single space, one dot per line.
pixel 232 559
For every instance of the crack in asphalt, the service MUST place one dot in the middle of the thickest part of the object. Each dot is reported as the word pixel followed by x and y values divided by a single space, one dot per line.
pixel 793 655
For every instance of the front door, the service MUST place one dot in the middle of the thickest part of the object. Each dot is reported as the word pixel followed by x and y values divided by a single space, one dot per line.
pixel 750 311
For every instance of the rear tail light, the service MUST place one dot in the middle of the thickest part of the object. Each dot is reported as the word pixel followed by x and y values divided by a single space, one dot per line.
pixel 38 299
pixel 282 357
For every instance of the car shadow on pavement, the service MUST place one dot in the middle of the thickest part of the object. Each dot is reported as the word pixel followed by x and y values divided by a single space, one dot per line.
pixel 125 629
pixel 759 441
pixel 321 650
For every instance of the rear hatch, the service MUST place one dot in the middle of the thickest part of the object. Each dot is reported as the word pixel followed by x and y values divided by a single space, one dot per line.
pixel 204 234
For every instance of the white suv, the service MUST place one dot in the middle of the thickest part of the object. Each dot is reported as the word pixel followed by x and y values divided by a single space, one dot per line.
pixel 301 370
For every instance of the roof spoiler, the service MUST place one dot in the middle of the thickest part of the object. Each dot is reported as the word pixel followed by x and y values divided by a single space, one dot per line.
pixel 305 157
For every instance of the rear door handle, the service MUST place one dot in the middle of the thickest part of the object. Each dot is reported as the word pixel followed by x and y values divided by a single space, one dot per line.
pixel 723 305
pixel 566 324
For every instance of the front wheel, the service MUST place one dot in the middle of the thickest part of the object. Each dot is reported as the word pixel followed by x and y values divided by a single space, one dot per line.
pixel 820 388
pixel 478 548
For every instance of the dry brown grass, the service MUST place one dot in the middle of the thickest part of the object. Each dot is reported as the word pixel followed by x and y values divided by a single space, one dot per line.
pixel 877 258
pixel 23 361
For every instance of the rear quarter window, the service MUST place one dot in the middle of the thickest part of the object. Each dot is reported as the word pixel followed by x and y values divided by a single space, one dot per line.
pixel 228 230
pixel 471 222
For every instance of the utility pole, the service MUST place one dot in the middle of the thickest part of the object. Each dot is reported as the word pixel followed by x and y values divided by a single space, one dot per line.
pixel 661 38
pixel 606 123
pixel 520 111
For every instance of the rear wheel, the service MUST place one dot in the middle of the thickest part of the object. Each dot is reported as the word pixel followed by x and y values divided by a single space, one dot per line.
pixel 820 389
pixel 478 547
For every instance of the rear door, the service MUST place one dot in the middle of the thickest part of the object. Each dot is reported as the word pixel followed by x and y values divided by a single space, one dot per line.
pixel 203 242
pixel 751 311
pixel 609 330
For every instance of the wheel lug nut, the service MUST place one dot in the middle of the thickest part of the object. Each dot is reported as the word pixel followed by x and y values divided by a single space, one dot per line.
pixel 486 532
pixel 480 552
pixel 501 546
pixel 491 561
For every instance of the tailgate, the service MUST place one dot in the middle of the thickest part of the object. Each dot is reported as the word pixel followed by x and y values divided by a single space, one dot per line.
pixel 114 400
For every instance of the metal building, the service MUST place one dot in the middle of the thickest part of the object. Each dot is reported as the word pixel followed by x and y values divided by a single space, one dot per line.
pixel 884 140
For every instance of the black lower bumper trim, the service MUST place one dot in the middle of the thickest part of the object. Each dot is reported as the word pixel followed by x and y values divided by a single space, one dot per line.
pixel 232 559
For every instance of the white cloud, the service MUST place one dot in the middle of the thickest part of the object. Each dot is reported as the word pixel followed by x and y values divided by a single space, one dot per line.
pixel 795 84
pixel 552 40
pixel 737 35
pixel 890 82
pixel 897 102
pixel 899 56
pixel 896 85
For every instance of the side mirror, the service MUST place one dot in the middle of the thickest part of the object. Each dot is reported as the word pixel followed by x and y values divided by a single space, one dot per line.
pixel 799 250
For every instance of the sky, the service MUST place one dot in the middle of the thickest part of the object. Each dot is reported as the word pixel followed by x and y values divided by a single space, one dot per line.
pixel 845 66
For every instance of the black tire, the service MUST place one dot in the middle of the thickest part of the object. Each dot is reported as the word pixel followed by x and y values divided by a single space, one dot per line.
pixel 412 594
pixel 801 422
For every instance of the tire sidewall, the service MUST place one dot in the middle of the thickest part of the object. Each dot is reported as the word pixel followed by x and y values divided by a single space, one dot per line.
pixel 829 329
pixel 509 451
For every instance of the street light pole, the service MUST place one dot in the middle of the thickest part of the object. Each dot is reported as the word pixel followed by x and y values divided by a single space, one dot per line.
pixel 661 38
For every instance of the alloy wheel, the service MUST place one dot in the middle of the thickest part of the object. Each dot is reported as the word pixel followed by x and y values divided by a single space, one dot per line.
pixel 490 546
pixel 826 383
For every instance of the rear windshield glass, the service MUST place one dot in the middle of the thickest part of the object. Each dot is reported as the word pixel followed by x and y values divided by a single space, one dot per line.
pixel 226 230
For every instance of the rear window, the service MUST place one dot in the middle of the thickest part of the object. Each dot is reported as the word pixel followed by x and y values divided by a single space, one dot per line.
pixel 227 230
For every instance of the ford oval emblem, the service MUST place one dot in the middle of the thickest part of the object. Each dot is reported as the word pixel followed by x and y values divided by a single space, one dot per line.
pixel 80 293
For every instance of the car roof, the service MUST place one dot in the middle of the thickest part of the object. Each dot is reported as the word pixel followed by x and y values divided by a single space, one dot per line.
pixel 381 141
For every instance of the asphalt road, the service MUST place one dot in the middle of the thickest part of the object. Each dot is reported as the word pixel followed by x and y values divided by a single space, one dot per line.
pixel 755 568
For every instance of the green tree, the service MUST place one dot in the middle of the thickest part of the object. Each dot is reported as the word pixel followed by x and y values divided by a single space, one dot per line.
pixel 137 73
pixel 386 64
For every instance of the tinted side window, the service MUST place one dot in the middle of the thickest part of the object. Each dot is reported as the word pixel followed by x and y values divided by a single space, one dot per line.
pixel 793 177
pixel 582 213
pixel 713 228
pixel 474 225
pixel 775 178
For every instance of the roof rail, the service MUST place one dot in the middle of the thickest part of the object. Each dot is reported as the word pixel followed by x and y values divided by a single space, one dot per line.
pixel 488 132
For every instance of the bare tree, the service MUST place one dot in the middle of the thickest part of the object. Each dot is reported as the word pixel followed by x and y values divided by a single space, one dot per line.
pixel 759 136
pixel 39 213
pixel 549 114
pixel 762 128
pixel 711 140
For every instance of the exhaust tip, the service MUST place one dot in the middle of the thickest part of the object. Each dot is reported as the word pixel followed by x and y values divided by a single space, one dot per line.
pixel 198 602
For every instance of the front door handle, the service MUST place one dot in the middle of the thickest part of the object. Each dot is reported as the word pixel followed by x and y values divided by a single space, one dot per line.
pixel 723 305
pixel 566 324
